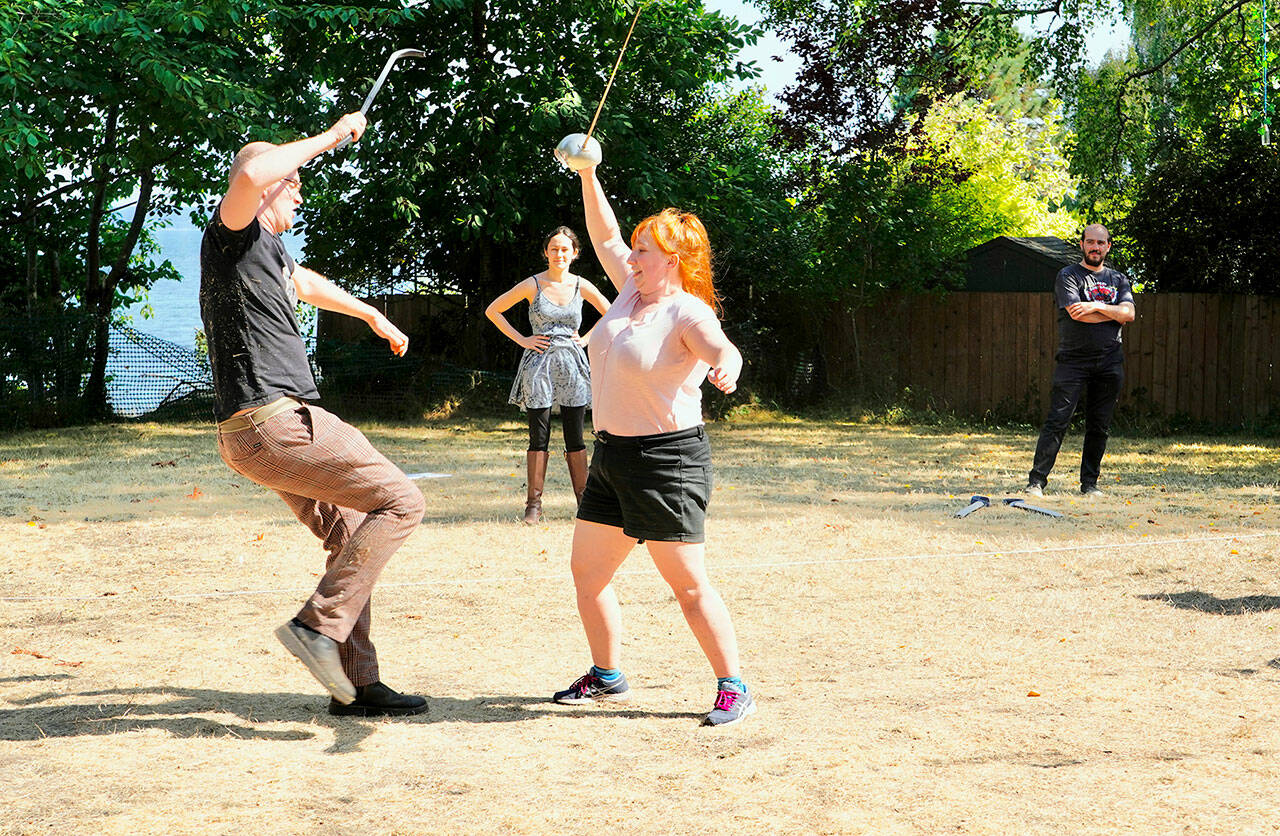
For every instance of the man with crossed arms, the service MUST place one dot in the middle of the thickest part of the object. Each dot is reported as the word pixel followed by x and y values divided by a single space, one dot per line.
pixel 1093 301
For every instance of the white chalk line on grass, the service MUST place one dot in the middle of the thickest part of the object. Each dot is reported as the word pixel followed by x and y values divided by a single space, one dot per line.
pixel 717 568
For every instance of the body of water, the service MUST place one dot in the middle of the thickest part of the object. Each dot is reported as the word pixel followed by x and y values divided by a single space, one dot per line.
pixel 176 304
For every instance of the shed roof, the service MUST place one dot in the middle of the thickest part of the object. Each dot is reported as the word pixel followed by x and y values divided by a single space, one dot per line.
pixel 1059 250
pixel 1008 264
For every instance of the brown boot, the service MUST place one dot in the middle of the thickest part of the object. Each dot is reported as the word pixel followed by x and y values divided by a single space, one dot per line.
pixel 537 464
pixel 577 461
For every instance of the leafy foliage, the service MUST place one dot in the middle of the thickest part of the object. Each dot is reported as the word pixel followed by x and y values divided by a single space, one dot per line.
pixel 1205 217
pixel 454 186
pixel 121 111
pixel 1192 74
pixel 1168 146
pixel 900 224
pixel 871 69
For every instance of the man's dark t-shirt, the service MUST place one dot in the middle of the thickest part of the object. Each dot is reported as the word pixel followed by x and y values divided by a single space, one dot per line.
pixel 247 302
pixel 1077 283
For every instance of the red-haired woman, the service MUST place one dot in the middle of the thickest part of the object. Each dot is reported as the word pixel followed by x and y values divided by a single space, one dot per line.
pixel 650 476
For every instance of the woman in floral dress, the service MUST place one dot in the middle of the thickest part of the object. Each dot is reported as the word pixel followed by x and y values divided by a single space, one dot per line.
pixel 553 369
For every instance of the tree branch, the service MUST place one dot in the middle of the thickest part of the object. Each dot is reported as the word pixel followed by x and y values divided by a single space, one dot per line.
pixel 135 229
pixel 35 203
pixel 1017 11
pixel 1124 82
pixel 1137 74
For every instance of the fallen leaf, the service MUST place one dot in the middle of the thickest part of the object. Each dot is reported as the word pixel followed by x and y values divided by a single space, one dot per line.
pixel 196 493
pixel 19 650
pixel 1033 693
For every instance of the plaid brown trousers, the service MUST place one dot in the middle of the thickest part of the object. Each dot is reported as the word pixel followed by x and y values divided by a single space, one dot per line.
pixel 359 504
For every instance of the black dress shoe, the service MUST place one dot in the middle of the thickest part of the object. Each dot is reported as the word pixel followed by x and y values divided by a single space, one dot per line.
pixel 377 700
pixel 320 654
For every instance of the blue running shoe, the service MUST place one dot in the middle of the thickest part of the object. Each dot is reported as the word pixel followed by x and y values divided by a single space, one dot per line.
pixel 591 688
pixel 731 707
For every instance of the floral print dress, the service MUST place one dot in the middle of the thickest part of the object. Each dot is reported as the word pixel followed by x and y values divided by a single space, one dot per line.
pixel 560 374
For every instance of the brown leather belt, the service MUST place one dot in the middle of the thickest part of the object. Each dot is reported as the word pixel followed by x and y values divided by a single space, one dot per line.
pixel 243 422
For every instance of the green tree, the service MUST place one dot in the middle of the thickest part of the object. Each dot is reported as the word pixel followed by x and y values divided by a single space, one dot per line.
pixel 455 185
pixel 1192 74
pixel 1205 217
pixel 452 188
pixel 118 112
pixel 870 69
pixel 1168 146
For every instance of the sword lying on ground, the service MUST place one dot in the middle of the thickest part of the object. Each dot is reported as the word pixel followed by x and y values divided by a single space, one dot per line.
pixel 975 502
pixel 1018 503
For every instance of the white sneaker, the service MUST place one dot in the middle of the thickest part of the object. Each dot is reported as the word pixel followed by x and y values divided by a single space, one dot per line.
pixel 1033 490
pixel 732 707
pixel 1092 490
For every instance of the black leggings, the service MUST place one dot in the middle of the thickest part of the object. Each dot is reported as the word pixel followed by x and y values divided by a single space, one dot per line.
pixel 571 417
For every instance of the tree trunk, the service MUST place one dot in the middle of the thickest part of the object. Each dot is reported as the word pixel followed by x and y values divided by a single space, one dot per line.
pixel 474 339
pixel 66 373
pixel 35 358
pixel 94 332
pixel 96 388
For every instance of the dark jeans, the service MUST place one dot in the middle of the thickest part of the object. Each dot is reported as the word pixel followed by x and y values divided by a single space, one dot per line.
pixel 1099 380
pixel 571 419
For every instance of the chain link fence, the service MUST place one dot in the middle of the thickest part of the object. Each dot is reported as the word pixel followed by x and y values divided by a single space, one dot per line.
pixel 151 377
pixel 44 368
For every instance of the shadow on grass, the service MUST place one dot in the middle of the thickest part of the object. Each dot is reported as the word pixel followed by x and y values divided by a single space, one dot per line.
pixel 193 712
pixel 35 677
pixel 1206 602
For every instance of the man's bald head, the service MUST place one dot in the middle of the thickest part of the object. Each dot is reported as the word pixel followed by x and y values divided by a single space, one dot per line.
pixel 1098 232
pixel 247 153
pixel 1095 243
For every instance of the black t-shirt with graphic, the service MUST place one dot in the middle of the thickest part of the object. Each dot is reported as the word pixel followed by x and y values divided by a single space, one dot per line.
pixel 247 302
pixel 1077 283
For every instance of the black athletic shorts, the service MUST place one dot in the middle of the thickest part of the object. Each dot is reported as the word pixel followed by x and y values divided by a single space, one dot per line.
pixel 653 487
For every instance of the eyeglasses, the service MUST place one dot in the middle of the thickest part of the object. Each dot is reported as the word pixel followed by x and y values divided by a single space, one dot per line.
pixel 296 185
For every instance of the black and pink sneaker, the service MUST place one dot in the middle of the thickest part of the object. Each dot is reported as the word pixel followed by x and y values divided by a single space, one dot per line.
pixel 731 707
pixel 591 688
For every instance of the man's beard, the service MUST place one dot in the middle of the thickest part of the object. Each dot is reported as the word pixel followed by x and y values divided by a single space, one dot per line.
pixel 1094 259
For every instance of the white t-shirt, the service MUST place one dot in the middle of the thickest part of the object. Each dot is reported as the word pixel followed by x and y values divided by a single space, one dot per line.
pixel 644 380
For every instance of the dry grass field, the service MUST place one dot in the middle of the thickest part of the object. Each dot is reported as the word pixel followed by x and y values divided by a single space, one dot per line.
pixel 1113 671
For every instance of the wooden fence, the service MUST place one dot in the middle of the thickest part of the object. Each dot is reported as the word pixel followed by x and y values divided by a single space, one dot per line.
pixel 1201 357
